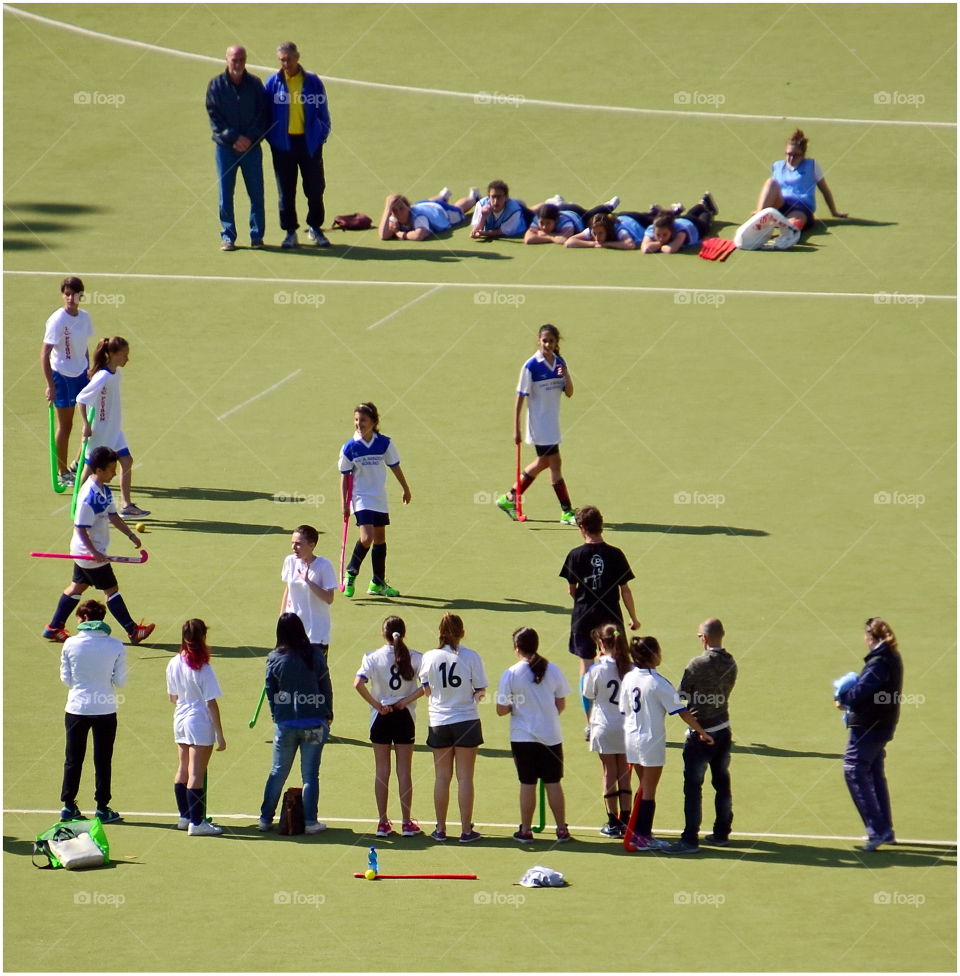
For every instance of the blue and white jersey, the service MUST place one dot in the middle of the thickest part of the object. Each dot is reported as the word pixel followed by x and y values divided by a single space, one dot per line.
pixel 434 216
pixel 624 229
pixel 511 221
pixel 798 182
pixel 543 385
pixel 95 505
pixel 366 460
pixel 683 225
pixel 566 220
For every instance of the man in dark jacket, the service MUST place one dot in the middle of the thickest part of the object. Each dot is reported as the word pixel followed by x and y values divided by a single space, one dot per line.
pixel 239 117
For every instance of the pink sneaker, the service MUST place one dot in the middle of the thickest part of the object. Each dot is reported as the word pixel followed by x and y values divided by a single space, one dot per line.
pixel 411 829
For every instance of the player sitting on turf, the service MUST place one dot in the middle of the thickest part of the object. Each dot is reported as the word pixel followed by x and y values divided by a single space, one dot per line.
pixel 408 221
pixel 670 232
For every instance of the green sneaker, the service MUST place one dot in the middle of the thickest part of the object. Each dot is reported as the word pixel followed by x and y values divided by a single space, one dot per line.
pixel 568 518
pixel 384 589
pixel 508 507
pixel 348 584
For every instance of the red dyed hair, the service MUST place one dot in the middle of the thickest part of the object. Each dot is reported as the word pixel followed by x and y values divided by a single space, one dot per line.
pixel 194 648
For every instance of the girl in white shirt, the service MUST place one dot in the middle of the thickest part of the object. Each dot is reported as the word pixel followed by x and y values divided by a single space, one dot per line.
pixel 454 681
pixel 387 682
pixel 533 693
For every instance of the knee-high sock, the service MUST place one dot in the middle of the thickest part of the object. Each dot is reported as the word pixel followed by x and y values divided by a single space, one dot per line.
pixel 359 554
pixel 379 562
pixel 119 609
pixel 65 606
pixel 180 792
pixel 195 805
pixel 645 817
pixel 560 487
pixel 526 481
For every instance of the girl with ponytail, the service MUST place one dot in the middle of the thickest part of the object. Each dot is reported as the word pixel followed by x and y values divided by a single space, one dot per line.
pixel 387 682
pixel 533 693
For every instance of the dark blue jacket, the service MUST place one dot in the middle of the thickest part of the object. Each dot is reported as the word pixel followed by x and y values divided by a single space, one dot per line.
pixel 237 110
pixel 298 693
pixel 874 699
pixel 316 115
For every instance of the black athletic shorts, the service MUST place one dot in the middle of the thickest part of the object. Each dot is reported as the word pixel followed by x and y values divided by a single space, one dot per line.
pixel 536 761
pixel 101 577
pixel 465 735
pixel 394 728
pixel 545 450
pixel 368 517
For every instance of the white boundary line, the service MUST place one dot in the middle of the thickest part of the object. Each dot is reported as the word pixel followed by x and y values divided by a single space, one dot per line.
pixel 483 97
pixel 511 826
pixel 505 286
pixel 269 389
pixel 403 308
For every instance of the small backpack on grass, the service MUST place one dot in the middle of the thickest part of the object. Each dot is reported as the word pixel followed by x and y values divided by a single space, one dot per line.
pixel 291 812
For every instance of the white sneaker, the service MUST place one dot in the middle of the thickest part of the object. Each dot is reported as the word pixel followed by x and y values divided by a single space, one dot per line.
pixel 444 194
pixel 183 823
pixel 290 241
pixel 556 200
pixel 474 193
pixel 613 202
pixel 204 829
pixel 315 828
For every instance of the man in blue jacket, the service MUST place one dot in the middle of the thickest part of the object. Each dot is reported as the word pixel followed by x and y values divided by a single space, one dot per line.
pixel 239 117
pixel 300 124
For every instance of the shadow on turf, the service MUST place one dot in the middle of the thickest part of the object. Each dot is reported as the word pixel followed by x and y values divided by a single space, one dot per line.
pixel 21 223
pixel 388 252
pixel 221 528
pixel 899 856
pixel 459 603
pixel 682 529
pixel 190 493
pixel 246 650
pixel 365 743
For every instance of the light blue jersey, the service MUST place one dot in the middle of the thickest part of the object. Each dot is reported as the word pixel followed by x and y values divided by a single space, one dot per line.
pixel 511 221
pixel 798 183
pixel 435 216
pixel 566 220
pixel 683 225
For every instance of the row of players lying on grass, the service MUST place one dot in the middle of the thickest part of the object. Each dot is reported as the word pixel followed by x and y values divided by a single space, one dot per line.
pixel 790 192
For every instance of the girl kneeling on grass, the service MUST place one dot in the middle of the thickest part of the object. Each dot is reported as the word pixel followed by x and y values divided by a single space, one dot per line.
pixel 194 689
pixel 533 693
pixel 391 673
pixel 646 699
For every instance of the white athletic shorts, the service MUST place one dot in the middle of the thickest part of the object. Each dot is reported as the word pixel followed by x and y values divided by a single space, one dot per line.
pixel 192 725
pixel 607 739
pixel 646 752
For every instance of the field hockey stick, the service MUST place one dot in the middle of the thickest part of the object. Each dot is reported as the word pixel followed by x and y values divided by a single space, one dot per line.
pixel 434 877
pixel 543 811
pixel 629 838
pixel 346 524
pixel 58 486
pixel 142 558
pixel 256 711
pixel 517 493
pixel 81 461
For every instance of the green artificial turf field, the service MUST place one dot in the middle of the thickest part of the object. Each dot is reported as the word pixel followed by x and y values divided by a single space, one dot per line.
pixel 771 440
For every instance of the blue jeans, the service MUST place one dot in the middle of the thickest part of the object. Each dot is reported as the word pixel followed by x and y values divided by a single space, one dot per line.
pixel 866 780
pixel 250 163
pixel 697 756
pixel 286 741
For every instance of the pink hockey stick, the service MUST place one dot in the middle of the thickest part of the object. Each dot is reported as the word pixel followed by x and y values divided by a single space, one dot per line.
pixel 142 558
pixel 346 526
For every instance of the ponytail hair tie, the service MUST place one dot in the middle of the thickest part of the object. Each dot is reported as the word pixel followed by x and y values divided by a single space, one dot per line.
pixel 395 635
pixel 616 633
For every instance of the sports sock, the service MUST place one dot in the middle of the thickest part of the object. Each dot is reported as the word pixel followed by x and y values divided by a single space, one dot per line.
pixel 180 792
pixel 645 814
pixel 379 562
pixel 119 609
pixel 586 702
pixel 359 554
pixel 606 798
pixel 525 482
pixel 563 497
pixel 625 813
pixel 195 805
pixel 65 606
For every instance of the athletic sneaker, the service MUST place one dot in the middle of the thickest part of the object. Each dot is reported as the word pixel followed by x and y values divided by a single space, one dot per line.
pixel 227 245
pixel 381 589
pixel 613 202
pixel 681 847
pixel 563 835
pixel 508 507
pixel 290 241
pixel 183 823
pixel 57 634
pixel 411 829
pixel 677 208
pixel 556 200
pixel 204 829
pixel 586 733
pixel 439 835
pixel 66 478
pixel 317 237
pixel 349 584
pixel 474 194
pixel 444 194
pixel 134 511
pixel 612 830
pixel 568 518
pixel 641 843
pixel 524 836
pixel 256 243
pixel 141 632
pixel 384 828
pixel 315 828
pixel 70 812
pixel 106 815
pixel 470 836
pixel 711 204
pixel 713 841
pixel 264 825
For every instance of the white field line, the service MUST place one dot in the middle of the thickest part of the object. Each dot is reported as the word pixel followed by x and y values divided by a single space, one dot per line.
pixel 269 389
pixel 486 98
pixel 891 297
pixel 403 308
pixel 512 826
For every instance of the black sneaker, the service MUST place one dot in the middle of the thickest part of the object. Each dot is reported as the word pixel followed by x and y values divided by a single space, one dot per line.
pixel 681 847
pixel 470 837
pixel 711 204
pixel 713 841
pixel 70 812
pixel 524 836
pixel 106 815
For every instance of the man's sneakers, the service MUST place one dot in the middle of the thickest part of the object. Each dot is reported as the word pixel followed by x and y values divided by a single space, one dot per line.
pixel 384 828
pixel 508 507
pixel 317 827
pixel 290 241
pixel 381 589
pixel 57 634
pixel 107 816
pixel 256 243
pixel 568 518
pixel 70 811
pixel 204 829
pixel 349 584
pixel 141 632
pixel 317 237
pixel 681 847
pixel 711 840
pixel 226 244
pixel 411 829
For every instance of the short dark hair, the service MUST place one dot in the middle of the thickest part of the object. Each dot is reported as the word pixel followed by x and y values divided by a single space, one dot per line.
pixel 589 519
pixel 548 211
pixel 100 457
pixel 309 533
pixel 71 283
pixel 498 185
pixel 91 610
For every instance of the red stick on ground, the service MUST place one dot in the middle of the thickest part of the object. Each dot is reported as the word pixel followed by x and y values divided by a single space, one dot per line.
pixel 629 838
pixel 433 877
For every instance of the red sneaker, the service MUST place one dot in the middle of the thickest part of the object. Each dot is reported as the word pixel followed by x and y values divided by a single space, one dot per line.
pixel 57 634
pixel 141 632
pixel 411 829
pixel 384 828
